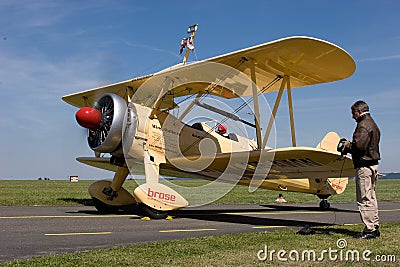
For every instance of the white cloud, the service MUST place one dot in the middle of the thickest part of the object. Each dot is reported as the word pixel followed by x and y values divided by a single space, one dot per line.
pixel 31 91
pixel 382 58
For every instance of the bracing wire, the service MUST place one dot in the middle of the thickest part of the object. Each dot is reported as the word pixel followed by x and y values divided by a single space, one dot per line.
pixel 236 111
pixel 213 87
pixel 209 92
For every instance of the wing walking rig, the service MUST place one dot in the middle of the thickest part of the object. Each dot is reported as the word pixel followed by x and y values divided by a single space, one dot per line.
pixel 133 121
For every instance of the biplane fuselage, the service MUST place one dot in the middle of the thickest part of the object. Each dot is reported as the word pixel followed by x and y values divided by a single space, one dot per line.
pixel 132 121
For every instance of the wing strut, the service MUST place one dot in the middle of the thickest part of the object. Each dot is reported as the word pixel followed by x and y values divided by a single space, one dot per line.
pixel 255 103
pixel 289 93
pixel 285 84
pixel 189 108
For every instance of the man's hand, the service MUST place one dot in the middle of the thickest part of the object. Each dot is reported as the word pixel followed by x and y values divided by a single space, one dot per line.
pixel 346 144
pixel 343 146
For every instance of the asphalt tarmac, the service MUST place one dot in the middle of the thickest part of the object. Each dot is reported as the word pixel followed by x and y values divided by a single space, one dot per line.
pixel 28 232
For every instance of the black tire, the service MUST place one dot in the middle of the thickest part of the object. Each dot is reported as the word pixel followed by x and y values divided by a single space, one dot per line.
pixel 324 204
pixel 153 213
pixel 103 208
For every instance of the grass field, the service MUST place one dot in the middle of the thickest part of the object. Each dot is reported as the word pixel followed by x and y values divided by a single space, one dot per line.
pixel 55 192
pixel 228 250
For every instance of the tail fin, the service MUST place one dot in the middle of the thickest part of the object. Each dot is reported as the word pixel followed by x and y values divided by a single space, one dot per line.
pixel 329 142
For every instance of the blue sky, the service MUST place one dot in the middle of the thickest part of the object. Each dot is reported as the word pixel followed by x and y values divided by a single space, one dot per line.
pixel 52 48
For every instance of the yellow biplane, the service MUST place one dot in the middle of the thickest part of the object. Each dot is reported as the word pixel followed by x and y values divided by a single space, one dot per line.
pixel 141 124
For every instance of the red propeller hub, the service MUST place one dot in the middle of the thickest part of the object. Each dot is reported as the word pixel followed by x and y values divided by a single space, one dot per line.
pixel 88 118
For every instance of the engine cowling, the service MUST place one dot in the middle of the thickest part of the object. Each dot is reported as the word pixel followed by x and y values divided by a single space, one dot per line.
pixel 104 136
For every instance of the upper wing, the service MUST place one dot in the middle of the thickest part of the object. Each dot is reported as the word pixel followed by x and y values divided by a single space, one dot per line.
pixel 306 60
pixel 88 97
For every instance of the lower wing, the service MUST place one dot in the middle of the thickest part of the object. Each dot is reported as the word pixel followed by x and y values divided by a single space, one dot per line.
pixel 281 163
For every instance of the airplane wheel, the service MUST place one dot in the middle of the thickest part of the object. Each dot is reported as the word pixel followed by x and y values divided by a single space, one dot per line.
pixel 153 213
pixel 324 204
pixel 103 208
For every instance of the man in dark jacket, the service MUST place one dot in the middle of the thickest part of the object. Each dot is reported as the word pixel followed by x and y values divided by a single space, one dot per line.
pixel 364 149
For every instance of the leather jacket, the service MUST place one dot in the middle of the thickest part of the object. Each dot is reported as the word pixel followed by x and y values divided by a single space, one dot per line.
pixel 365 145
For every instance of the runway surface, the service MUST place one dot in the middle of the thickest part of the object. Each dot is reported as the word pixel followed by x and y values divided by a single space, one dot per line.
pixel 36 231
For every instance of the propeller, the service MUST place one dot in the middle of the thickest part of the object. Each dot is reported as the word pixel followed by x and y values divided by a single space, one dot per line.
pixel 97 136
pixel 104 123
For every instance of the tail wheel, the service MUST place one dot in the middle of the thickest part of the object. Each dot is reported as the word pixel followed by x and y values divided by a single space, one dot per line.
pixel 324 204
pixel 153 213
pixel 103 208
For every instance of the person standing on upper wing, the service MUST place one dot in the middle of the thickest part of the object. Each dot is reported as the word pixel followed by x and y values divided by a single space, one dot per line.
pixel 364 149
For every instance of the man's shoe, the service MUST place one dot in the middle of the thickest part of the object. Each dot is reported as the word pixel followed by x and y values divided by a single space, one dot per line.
pixel 378 233
pixel 370 235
